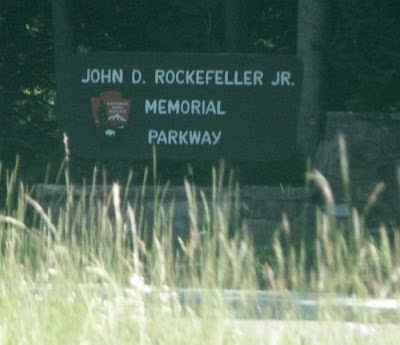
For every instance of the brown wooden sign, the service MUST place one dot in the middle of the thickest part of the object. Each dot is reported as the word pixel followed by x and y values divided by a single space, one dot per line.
pixel 187 106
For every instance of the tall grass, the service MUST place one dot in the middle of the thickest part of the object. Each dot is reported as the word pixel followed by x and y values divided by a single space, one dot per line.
pixel 341 255
pixel 108 230
pixel 98 268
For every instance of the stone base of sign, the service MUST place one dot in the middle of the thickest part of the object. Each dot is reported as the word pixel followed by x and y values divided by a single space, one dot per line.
pixel 260 209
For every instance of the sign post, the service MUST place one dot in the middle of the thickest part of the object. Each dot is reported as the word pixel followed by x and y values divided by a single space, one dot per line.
pixel 237 107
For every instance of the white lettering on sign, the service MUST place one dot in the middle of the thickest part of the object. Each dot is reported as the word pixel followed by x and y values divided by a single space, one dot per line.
pixel 103 76
pixel 136 76
pixel 183 107
pixel 208 77
pixel 282 79
pixel 183 137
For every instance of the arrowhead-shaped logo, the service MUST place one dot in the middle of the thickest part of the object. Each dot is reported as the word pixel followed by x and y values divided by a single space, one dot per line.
pixel 110 112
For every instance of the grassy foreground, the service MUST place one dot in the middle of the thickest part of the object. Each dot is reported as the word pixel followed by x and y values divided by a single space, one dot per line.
pixel 93 271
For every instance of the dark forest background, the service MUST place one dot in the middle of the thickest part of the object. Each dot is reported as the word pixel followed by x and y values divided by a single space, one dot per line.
pixel 362 55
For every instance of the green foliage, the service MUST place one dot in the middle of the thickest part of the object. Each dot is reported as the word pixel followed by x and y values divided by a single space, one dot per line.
pixel 272 26
pixel 27 120
pixel 363 55
pixel 147 25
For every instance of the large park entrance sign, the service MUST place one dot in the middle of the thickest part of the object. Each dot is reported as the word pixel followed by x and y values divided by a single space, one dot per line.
pixel 187 106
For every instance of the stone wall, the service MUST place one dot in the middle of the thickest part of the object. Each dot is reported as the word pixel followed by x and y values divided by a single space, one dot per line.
pixel 258 208
pixel 372 144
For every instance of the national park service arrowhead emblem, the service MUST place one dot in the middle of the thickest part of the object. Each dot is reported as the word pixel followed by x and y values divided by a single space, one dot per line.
pixel 110 113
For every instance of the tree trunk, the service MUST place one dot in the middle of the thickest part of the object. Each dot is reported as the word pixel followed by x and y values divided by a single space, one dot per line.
pixel 63 48
pixel 312 21
pixel 235 25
